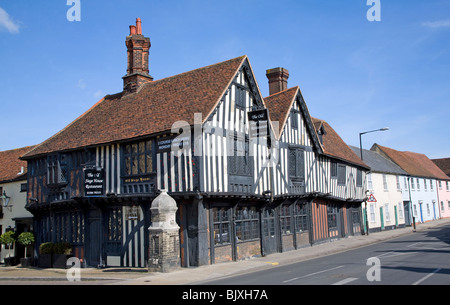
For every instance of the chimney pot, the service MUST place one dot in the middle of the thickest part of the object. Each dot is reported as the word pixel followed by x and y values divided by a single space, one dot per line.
pixel 278 79
pixel 138 26
pixel 132 30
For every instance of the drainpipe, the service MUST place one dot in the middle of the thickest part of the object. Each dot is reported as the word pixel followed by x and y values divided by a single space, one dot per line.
pixel 410 206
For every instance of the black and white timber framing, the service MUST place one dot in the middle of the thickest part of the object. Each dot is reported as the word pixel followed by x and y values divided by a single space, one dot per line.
pixel 231 204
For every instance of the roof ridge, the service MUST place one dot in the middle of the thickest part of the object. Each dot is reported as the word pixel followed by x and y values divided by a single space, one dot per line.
pixel 193 70
pixel 284 91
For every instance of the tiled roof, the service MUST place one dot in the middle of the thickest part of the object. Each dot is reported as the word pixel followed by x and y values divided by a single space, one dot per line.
pixel 280 104
pixel 11 165
pixel 152 109
pixel 334 146
pixel 378 163
pixel 443 164
pixel 414 163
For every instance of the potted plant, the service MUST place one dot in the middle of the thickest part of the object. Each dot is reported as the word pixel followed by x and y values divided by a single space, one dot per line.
pixel 61 252
pixel 8 240
pixel 54 255
pixel 25 239
pixel 45 255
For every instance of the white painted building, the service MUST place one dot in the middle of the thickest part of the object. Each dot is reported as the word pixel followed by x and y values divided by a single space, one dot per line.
pixel 13 190
pixel 385 209
pixel 420 188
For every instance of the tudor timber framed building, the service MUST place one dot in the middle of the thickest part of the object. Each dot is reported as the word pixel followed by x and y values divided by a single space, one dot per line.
pixel 231 205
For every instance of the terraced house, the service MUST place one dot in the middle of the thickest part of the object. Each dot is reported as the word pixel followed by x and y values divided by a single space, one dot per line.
pixel 426 185
pixel 251 176
pixel 385 203
pixel 13 198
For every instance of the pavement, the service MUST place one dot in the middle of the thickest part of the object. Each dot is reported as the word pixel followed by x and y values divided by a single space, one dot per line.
pixel 198 275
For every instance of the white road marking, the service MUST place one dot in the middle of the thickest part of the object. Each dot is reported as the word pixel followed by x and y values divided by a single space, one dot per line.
pixel 346 281
pixel 297 278
pixel 394 254
pixel 427 276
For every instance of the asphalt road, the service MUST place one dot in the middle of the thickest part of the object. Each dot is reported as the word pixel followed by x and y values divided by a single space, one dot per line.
pixel 421 258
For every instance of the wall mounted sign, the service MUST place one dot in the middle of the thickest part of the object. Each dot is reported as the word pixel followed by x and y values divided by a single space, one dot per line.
pixel 165 144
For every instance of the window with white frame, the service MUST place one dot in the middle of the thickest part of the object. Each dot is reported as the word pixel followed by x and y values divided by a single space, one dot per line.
pixel 442 206
pixel 405 180
pixel 412 184
pixel 425 184
pixel 399 188
pixel 428 209
pixel 431 184
pixel 418 184
pixel 385 184
pixel 386 212
pixel 369 181
pixel 372 212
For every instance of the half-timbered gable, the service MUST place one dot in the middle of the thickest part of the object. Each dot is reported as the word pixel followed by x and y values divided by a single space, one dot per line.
pixel 228 159
pixel 298 144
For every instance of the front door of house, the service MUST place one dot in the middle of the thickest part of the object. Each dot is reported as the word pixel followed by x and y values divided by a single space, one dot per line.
pixel 382 218
pixel 269 230
pixel 407 213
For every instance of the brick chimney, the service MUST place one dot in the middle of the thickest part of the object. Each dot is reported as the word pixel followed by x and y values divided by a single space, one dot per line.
pixel 138 48
pixel 278 79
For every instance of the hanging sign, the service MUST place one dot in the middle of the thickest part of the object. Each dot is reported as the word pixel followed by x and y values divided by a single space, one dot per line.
pixel 258 123
pixel 94 182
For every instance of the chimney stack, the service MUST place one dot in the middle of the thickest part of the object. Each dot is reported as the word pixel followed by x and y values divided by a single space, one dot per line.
pixel 278 79
pixel 138 48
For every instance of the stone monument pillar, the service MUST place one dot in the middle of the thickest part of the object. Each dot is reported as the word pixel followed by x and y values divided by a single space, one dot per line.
pixel 164 247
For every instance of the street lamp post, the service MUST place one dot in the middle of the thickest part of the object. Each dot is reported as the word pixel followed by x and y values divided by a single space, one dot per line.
pixel 360 138
pixel 361 152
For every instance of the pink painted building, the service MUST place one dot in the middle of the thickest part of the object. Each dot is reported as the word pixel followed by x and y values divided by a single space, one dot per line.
pixel 443 187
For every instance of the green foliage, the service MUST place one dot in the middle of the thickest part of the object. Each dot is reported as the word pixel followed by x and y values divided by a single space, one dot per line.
pixel 46 248
pixel 55 248
pixel 62 248
pixel 26 238
pixel 7 238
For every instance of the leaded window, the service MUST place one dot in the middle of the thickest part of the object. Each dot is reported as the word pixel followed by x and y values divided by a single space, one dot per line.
pixel 138 158
pixel 301 217
pixel 247 223
pixel 239 161
pixel 332 211
pixel 285 219
pixel 57 169
pixel 341 174
pixel 114 230
pixel 221 222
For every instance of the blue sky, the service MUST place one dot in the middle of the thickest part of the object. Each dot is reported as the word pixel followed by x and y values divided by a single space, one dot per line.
pixel 355 74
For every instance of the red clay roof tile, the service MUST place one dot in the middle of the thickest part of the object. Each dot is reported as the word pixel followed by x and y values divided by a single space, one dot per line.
pixel 152 109
pixel 413 163
pixel 11 165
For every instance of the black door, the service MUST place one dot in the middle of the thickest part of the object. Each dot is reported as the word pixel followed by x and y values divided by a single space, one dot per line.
pixel 94 242
pixel 407 213
pixel 269 231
